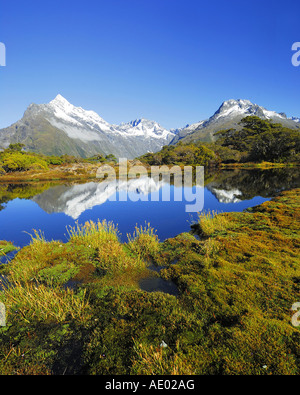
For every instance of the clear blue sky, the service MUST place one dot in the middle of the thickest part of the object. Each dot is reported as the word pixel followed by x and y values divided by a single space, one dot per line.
pixel 173 61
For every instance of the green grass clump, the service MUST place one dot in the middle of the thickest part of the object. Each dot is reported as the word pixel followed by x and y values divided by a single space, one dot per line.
pixel 92 234
pixel 210 223
pixel 150 360
pixel 45 303
pixel 144 242
pixel 102 237
pixel 52 262
pixel 12 161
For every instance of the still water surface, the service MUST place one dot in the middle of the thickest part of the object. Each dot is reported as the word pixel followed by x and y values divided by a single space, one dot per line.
pixel 51 208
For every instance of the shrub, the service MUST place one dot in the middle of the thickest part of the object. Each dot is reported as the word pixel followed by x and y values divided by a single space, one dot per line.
pixel 20 161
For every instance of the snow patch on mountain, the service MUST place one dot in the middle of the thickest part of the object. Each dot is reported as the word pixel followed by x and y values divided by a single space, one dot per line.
pixel 144 127
pixel 188 128
pixel 295 119
pixel 76 122
pixel 233 108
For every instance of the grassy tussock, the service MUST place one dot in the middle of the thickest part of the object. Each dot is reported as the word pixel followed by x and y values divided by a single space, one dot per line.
pixel 92 234
pixel 144 242
pixel 45 303
pixel 102 237
pixel 211 222
pixel 151 360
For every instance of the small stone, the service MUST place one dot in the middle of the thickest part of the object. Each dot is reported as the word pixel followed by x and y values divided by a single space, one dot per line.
pixel 163 344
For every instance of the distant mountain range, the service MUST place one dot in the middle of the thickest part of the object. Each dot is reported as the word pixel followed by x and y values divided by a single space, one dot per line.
pixel 59 128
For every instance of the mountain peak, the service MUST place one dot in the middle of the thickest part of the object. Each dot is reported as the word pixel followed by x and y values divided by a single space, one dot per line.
pixel 237 103
pixel 232 108
pixel 59 99
pixel 136 122
pixel 241 102
pixel 62 103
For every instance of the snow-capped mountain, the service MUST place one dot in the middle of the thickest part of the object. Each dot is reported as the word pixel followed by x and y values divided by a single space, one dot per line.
pixel 62 113
pixel 232 108
pixel 230 113
pixel 61 128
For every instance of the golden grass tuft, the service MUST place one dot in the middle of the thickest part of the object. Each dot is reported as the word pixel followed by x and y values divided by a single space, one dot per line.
pixel 93 234
pixel 144 242
pixel 33 300
pixel 151 360
pixel 211 222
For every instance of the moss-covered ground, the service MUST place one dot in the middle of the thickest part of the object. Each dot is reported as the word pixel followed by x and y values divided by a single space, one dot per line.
pixel 77 308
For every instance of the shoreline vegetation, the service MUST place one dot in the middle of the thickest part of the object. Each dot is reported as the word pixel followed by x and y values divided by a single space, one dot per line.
pixel 78 308
pixel 88 172
pixel 6 247
pixel 256 144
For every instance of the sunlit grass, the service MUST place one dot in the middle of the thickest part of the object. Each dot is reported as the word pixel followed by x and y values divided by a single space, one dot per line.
pixel 144 241
pixel 93 234
pixel 33 300
pixel 211 222
pixel 150 360
pixel 103 238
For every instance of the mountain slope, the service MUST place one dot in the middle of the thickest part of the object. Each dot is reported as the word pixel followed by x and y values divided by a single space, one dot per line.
pixel 228 116
pixel 60 128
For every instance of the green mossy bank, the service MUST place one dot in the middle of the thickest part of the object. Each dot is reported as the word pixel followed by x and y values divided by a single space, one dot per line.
pixel 77 308
pixel 6 247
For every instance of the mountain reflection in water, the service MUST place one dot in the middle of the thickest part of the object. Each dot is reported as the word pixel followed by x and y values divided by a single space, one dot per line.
pixel 51 207
pixel 76 199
